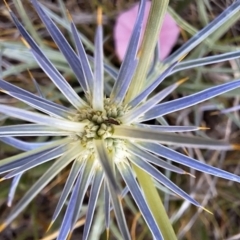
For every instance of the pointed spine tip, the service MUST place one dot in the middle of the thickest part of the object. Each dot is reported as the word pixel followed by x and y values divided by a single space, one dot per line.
pixel 49 227
pixel 236 146
pixel 186 152
pixel 99 16
pixel 119 197
pixel 25 43
pixel 7 6
pixel 2 179
pixel 139 53
pixel 2 227
pixel 69 16
pixel 3 91
pixel 30 74
pixel 191 175
pixel 182 57
pixel 181 81
pixel 206 210
pixel 69 235
pixel 204 128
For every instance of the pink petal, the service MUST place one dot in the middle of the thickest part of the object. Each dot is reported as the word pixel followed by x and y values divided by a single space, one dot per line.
pixel 124 26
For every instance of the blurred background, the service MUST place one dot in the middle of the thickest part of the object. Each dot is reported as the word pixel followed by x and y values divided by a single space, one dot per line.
pixel 219 196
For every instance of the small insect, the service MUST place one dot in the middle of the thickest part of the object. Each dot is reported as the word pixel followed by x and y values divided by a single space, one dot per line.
pixel 112 121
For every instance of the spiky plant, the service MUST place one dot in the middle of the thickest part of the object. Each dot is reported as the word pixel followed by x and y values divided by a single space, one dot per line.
pixel 106 137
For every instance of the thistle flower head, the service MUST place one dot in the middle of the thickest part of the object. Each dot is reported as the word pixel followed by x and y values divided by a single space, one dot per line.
pixel 104 136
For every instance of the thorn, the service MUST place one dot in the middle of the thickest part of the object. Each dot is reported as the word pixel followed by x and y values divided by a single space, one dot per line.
pixel 25 43
pixel 7 6
pixel 107 233
pixel 191 175
pixel 186 152
pixel 236 146
pixel 69 16
pixel 99 16
pixel 3 91
pixel 30 74
pixel 184 35
pixel 2 227
pixel 2 179
pixel 206 210
pixel 69 235
pixel 119 198
pixel 139 53
pixel 182 57
pixel 181 81
pixel 203 128
pixel 50 225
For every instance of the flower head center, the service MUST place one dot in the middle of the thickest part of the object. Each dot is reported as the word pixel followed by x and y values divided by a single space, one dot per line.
pixel 99 124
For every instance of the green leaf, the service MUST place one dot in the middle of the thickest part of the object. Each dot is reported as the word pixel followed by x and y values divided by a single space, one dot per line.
pixel 154 23
pixel 155 204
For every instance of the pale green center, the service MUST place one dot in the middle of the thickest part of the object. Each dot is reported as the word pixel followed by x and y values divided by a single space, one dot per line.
pixel 99 124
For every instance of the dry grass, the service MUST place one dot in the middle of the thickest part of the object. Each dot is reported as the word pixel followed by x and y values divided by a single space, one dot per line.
pixel 221 197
